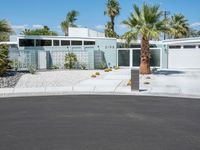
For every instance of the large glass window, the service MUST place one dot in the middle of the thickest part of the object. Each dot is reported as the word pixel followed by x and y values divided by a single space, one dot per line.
pixel 43 43
pixel 136 58
pixel 26 42
pixel 89 42
pixel 155 58
pixel 124 58
pixel 56 43
pixel 76 42
pixel 154 61
pixel 65 43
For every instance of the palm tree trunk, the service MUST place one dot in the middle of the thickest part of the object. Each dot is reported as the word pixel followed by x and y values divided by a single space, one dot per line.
pixel 145 56
pixel 113 24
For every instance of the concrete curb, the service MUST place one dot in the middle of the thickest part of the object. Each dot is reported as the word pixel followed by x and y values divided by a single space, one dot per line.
pixel 50 91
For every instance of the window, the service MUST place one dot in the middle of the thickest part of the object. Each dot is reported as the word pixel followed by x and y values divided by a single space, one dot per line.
pixel 43 43
pixel 89 42
pixel 26 42
pixel 135 46
pixel 189 46
pixel 76 42
pixel 56 43
pixel 65 43
pixel 153 46
pixel 123 58
pixel 174 47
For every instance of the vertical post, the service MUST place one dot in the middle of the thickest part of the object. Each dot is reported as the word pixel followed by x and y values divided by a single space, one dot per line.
pixel 165 16
pixel 135 80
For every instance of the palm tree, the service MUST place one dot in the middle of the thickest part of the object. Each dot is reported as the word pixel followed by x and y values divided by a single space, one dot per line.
pixel 179 26
pixel 112 10
pixel 69 21
pixel 145 23
pixel 5 27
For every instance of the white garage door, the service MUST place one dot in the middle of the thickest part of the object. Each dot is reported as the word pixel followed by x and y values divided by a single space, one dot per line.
pixel 184 58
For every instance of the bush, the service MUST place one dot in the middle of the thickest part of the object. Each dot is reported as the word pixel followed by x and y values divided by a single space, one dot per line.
pixel 55 67
pixel 102 65
pixel 83 66
pixel 15 64
pixel 116 67
pixel 110 69
pixel 106 70
pixel 32 69
pixel 4 61
pixel 93 76
pixel 97 73
pixel 70 61
pixel 129 83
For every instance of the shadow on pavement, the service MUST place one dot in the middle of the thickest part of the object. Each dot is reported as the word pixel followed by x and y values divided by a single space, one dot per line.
pixel 168 72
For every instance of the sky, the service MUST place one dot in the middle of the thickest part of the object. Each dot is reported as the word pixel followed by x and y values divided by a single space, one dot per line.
pixel 31 14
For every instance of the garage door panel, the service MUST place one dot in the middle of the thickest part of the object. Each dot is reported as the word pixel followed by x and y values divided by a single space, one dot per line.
pixel 184 58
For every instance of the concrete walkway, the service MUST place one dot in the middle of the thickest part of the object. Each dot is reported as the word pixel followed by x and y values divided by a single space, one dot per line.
pixel 174 82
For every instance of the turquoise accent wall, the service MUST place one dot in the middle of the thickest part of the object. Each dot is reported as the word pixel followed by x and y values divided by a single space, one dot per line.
pixel 109 47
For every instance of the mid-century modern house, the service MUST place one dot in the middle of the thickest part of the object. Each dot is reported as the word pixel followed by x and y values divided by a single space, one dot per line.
pixel 93 49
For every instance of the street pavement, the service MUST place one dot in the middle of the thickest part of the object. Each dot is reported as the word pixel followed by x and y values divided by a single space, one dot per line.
pixel 99 123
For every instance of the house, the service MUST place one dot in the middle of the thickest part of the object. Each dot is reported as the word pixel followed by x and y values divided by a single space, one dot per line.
pixel 96 51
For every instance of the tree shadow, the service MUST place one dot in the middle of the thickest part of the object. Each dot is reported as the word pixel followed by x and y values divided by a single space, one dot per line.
pixel 167 72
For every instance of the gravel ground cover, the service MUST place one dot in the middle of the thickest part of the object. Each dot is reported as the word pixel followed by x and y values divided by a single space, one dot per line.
pixel 10 79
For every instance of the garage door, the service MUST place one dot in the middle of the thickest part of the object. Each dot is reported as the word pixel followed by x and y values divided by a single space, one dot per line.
pixel 184 58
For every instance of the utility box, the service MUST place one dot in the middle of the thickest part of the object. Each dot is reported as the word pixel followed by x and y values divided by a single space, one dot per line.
pixel 135 80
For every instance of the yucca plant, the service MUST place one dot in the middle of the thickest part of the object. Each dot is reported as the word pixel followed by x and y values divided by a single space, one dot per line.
pixel 70 61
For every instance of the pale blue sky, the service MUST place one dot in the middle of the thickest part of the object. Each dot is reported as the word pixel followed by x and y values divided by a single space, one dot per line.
pixel 34 13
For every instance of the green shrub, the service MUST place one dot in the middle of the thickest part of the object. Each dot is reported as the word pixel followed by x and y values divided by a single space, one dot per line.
pixel 83 66
pixel 93 76
pixel 116 67
pixel 102 65
pixel 15 64
pixel 32 69
pixel 70 61
pixel 106 70
pixel 97 73
pixel 55 67
pixel 4 61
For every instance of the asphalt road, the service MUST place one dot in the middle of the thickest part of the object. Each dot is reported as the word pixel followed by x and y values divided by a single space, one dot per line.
pixel 99 123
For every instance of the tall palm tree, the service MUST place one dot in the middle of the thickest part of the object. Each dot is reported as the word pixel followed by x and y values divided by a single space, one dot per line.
pixel 5 27
pixel 112 10
pixel 179 26
pixel 69 21
pixel 145 23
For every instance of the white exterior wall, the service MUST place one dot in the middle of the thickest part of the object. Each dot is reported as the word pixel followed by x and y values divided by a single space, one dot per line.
pixel 84 32
pixel 184 58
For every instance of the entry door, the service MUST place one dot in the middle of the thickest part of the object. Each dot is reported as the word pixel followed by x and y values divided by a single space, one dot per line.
pixel 42 60
pixel 124 58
